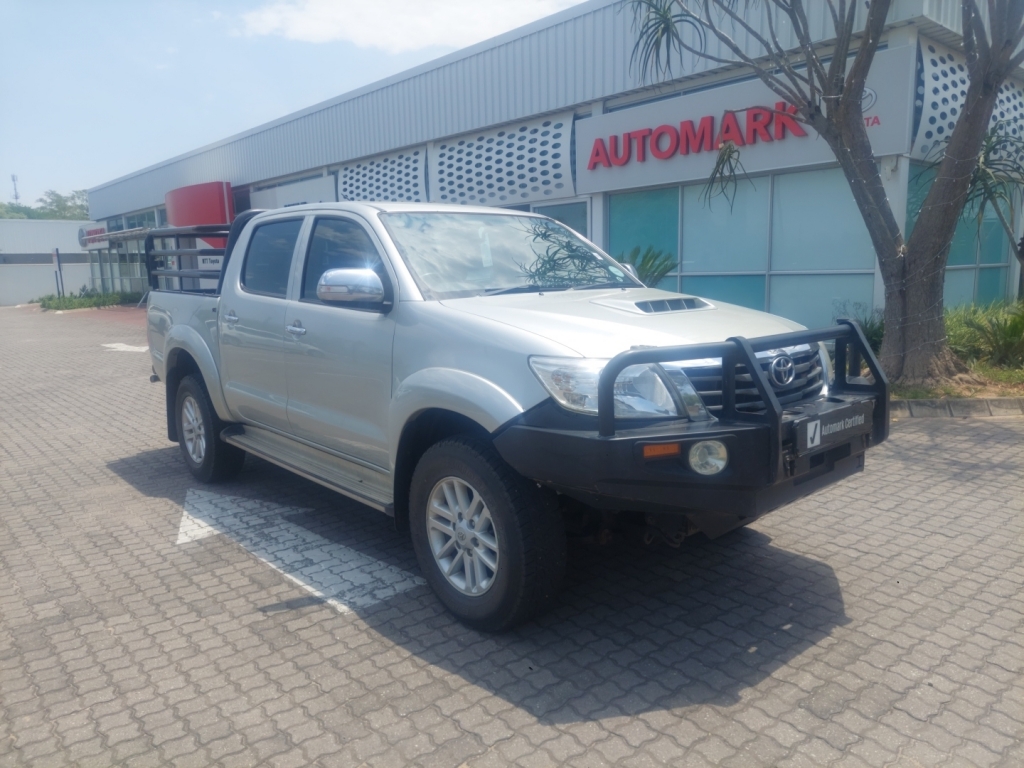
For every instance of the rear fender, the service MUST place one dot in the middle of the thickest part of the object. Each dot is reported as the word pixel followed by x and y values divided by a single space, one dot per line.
pixel 183 338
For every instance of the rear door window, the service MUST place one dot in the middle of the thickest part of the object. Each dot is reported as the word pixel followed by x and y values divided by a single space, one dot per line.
pixel 268 259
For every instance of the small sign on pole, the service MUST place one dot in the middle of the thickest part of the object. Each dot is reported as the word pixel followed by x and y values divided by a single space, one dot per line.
pixel 58 272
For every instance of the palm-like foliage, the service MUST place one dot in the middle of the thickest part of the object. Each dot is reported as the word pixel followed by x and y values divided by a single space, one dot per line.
pixel 651 264
pixel 997 180
pixel 1001 336
pixel 562 259
pixel 657 26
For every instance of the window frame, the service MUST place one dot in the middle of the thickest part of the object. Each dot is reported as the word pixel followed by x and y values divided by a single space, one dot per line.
pixel 248 249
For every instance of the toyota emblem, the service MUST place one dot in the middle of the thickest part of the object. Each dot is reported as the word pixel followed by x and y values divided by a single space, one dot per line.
pixel 782 371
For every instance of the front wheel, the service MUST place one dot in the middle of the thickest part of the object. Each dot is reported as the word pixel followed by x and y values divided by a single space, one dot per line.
pixel 207 457
pixel 490 543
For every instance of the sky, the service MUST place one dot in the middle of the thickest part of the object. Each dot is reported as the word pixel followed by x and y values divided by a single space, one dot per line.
pixel 90 91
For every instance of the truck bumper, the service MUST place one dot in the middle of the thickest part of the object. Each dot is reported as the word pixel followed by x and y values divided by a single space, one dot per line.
pixel 613 472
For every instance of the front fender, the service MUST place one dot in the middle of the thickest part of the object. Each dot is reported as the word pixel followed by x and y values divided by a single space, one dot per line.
pixel 450 389
pixel 184 338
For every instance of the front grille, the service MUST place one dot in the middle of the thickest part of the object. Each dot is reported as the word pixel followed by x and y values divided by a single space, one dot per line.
pixel 707 380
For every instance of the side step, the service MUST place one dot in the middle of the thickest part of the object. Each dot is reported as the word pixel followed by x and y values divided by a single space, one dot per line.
pixel 346 477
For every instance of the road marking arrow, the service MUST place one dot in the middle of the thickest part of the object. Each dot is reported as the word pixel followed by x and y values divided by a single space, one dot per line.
pixel 339 575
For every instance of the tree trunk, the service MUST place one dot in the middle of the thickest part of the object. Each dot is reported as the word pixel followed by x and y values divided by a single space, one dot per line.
pixel 914 350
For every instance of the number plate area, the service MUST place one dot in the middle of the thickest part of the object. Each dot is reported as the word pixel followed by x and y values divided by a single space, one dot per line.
pixel 832 426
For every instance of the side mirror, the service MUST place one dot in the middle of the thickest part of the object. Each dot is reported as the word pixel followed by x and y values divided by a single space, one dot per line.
pixel 631 269
pixel 350 286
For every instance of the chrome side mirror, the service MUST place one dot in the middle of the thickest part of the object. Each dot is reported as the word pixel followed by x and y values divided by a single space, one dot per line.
pixel 631 269
pixel 350 286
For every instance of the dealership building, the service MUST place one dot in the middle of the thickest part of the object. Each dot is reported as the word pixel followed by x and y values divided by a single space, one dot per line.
pixel 551 118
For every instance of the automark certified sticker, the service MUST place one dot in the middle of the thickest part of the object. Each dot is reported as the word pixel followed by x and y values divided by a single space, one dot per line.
pixel 828 430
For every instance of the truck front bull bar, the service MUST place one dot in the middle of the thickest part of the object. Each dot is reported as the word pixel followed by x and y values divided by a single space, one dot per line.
pixel 851 348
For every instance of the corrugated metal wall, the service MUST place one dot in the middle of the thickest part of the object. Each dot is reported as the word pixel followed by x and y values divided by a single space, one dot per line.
pixel 578 56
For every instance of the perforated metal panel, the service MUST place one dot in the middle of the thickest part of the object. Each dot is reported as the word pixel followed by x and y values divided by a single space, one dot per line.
pixel 519 163
pixel 397 177
pixel 941 89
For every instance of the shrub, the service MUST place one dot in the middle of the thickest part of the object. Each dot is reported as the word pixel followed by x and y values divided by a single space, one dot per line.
pixel 963 340
pixel 992 335
pixel 651 265
pixel 1000 334
pixel 88 298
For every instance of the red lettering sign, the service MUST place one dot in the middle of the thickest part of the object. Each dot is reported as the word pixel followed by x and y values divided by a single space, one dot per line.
pixel 784 122
pixel 730 131
pixel 699 140
pixel 640 137
pixel 613 146
pixel 670 148
pixel 758 120
pixel 599 156
pixel 759 125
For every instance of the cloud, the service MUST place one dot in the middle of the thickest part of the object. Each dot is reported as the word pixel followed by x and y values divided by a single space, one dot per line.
pixel 398 25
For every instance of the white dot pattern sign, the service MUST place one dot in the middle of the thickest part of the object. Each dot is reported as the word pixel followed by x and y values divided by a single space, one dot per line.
pixel 941 90
pixel 393 177
pixel 518 163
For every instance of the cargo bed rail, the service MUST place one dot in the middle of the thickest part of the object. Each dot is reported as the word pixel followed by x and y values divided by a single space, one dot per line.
pixel 181 263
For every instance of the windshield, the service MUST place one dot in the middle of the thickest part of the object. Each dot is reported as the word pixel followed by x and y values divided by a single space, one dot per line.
pixel 452 255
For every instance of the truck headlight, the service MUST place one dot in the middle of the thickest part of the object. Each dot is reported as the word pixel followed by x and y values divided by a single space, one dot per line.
pixel 640 390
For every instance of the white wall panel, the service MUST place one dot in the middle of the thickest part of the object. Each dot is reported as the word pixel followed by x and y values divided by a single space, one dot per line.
pixel 519 163
pixel 941 89
pixel 396 177
pixel 20 283
pixel 317 190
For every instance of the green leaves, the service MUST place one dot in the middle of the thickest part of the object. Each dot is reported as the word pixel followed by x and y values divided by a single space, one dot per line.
pixel 651 265
pixel 1001 334
pixel 992 334
pixel 52 205
pixel 657 27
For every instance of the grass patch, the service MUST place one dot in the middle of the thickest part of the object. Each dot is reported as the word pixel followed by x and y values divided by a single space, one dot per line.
pixel 88 299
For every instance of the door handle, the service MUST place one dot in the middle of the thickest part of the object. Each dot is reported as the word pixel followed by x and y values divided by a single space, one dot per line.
pixel 231 317
pixel 296 330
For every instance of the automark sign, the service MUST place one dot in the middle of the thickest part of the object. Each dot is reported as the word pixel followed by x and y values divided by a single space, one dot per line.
pixel 677 139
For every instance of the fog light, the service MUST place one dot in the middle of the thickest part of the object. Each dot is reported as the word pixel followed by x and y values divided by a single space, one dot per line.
pixel 708 457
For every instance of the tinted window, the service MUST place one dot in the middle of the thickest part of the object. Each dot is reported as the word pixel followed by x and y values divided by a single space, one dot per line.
pixel 269 257
pixel 338 244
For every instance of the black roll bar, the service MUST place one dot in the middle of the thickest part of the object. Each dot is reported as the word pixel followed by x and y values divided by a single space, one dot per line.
pixel 851 347
pixel 156 258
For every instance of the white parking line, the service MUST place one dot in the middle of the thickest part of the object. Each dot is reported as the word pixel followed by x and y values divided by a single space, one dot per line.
pixel 339 575
pixel 121 347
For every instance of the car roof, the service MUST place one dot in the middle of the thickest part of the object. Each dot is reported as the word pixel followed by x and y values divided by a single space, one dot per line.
pixel 370 207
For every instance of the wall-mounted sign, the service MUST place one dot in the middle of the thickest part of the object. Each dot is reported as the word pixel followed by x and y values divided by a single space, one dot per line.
pixel 93 236
pixel 678 139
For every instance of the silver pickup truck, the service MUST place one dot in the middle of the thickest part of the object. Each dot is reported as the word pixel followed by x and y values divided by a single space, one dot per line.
pixel 490 379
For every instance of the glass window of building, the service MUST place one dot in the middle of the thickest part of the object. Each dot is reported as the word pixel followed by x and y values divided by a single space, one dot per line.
pixel 647 219
pixel 977 266
pixel 719 237
pixel 573 215
pixel 816 224
pixel 793 244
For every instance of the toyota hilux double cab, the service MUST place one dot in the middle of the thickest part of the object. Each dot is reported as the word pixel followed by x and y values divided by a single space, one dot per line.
pixel 487 377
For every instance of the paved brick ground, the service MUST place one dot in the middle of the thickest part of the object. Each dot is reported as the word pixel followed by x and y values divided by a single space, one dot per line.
pixel 878 624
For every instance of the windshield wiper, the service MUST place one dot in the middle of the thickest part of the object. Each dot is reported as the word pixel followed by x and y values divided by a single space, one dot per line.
pixel 515 289
pixel 605 284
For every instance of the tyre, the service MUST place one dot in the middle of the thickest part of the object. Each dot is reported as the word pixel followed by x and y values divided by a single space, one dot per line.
pixel 208 458
pixel 490 543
